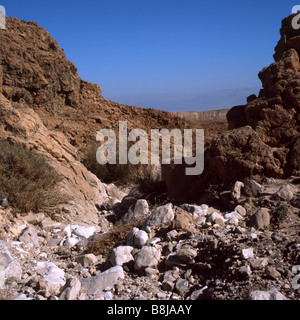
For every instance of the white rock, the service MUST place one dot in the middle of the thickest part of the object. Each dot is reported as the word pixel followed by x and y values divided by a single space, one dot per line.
pixel 71 241
pixel 140 211
pixel 215 215
pixel 121 255
pixel 140 238
pixel 54 279
pixel 103 282
pixel 84 232
pixel 233 215
pixel 67 230
pixel 71 290
pixel 147 257
pixel 247 253
pixel 267 295
pixel 236 190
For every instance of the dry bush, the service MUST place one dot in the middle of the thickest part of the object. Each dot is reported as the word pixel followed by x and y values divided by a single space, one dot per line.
pixel 109 173
pixel 26 179
pixel 104 243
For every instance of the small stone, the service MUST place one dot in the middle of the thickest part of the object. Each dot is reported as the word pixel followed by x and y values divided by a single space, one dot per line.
pixel 71 241
pixel 162 295
pixel 71 290
pixel 168 286
pixel 236 190
pixel 259 263
pixel 285 193
pixel 247 253
pixel 216 216
pixel 84 232
pixel 252 188
pixel 187 253
pixel 272 273
pixel 151 271
pixel 240 230
pixel 171 235
pixel 137 212
pixel 160 217
pixel 36 219
pixel 245 271
pixel 87 260
pixel 49 225
pixel 29 235
pixel 53 281
pixel 241 210
pixel 103 282
pixel 140 238
pixel 261 219
pixel 182 220
pixel 182 286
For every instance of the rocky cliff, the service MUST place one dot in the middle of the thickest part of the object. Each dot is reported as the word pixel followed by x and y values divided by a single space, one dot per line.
pixel 264 135
pixel 45 106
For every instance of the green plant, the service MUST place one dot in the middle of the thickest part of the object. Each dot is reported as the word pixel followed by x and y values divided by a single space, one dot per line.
pixel 26 179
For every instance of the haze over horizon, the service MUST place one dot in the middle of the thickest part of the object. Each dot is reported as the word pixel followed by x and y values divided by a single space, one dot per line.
pixel 179 55
pixel 193 101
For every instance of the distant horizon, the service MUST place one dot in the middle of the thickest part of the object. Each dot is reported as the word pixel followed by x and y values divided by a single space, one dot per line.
pixel 178 102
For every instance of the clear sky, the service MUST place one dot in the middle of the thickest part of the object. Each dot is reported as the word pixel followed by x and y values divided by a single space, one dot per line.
pixel 162 46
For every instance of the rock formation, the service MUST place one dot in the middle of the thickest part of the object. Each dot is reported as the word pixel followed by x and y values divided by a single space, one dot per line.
pixel 264 135
pixel 45 106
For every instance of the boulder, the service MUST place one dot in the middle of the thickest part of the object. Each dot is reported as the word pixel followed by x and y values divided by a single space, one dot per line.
pixel 147 257
pixel 261 219
pixel 139 211
pixel 160 217
pixel 103 282
pixel 121 255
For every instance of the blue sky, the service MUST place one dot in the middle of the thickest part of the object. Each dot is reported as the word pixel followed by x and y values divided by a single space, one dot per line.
pixel 140 47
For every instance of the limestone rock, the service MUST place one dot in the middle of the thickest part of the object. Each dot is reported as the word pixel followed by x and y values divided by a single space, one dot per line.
pixel 121 255
pixel 147 257
pixel 103 282
pixel 137 212
pixel 160 217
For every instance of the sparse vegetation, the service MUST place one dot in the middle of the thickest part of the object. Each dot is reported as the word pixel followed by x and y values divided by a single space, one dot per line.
pixel 146 177
pixel 26 179
pixel 104 243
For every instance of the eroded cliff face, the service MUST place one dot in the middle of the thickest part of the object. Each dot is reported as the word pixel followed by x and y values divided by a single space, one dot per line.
pixel 264 135
pixel 36 73
pixel 45 106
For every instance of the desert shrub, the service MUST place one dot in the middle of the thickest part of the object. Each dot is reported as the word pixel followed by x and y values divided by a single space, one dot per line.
pixel 147 178
pixel 26 179
pixel 103 244
pixel 109 173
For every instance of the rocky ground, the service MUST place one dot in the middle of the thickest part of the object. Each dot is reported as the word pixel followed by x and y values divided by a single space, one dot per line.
pixel 184 252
